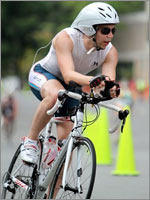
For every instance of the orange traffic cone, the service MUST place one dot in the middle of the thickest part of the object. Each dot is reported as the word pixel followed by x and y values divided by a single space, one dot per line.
pixel 125 160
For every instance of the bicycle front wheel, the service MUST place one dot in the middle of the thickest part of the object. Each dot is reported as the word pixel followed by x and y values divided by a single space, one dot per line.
pixel 79 180
pixel 20 179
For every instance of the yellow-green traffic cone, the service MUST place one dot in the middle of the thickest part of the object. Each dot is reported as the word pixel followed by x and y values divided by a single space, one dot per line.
pixel 99 135
pixel 125 160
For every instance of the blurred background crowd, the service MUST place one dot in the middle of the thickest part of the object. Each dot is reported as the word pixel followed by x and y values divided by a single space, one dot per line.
pixel 27 26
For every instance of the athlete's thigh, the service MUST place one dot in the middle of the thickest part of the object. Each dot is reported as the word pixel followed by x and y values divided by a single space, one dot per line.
pixel 51 88
pixel 43 83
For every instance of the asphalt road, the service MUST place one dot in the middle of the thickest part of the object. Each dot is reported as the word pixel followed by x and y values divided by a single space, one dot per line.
pixel 107 186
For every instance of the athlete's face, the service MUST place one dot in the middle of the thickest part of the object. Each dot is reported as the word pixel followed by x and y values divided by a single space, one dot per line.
pixel 104 35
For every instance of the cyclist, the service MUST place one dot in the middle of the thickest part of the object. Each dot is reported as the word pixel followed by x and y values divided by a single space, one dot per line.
pixel 9 112
pixel 75 51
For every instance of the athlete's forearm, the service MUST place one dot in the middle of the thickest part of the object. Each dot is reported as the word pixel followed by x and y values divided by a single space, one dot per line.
pixel 77 77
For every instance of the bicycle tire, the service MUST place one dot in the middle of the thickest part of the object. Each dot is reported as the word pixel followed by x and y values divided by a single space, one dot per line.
pixel 88 171
pixel 26 174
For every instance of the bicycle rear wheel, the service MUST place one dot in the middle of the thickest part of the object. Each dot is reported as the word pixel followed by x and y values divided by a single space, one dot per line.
pixel 86 173
pixel 19 174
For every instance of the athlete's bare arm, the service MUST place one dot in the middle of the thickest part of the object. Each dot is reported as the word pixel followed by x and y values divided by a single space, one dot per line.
pixel 63 46
pixel 110 63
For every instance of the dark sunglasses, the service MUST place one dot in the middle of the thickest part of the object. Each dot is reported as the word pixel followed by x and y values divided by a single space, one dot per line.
pixel 106 30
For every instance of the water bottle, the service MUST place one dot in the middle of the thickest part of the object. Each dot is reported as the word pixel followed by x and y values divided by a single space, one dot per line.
pixel 50 151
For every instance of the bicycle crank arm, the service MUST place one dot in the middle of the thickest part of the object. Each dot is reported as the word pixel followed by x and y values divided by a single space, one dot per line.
pixel 17 182
pixel 7 186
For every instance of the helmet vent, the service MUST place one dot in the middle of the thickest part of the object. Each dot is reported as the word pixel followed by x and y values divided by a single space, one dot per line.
pixel 115 15
pixel 108 15
pixel 103 14
pixel 101 9
pixel 109 8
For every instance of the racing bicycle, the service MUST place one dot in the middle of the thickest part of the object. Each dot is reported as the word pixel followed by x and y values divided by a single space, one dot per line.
pixel 72 173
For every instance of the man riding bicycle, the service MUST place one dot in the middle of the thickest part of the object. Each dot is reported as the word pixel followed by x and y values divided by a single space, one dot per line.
pixel 75 51
pixel 9 113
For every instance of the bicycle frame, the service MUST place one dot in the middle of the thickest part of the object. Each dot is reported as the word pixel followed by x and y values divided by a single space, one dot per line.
pixel 76 131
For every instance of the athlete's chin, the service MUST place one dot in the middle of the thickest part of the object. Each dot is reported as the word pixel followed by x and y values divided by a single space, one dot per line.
pixel 102 47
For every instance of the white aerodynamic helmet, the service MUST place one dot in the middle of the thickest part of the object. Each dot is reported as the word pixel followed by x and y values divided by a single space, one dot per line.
pixel 93 14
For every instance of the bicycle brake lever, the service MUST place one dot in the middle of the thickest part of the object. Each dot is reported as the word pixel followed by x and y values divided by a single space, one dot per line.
pixel 122 116
pixel 122 125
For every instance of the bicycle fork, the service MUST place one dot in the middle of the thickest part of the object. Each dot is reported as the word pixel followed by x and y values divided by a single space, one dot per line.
pixel 79 169
pixel 77 131
pixel 65 186
pixel 67 162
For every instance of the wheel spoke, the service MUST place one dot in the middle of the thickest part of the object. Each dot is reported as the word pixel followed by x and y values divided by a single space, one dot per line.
pixel 25 174
pixel 88 165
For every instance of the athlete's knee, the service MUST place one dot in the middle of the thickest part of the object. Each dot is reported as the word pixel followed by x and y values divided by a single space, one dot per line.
pixel 44 92
pixel 50 88
pixel 47 91
pixel 46 104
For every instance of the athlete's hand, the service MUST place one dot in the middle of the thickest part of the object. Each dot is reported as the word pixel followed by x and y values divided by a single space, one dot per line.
pixel 112 89
pixel 107 88
pixel 98 81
